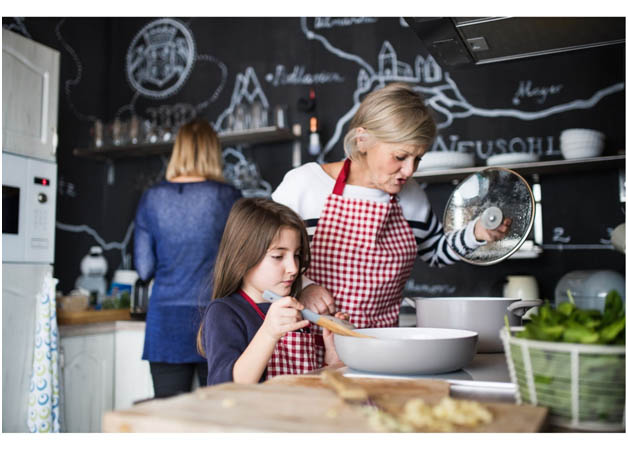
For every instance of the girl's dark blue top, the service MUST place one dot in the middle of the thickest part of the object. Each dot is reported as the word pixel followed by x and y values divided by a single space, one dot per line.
pixel 178 227
pixel 229 325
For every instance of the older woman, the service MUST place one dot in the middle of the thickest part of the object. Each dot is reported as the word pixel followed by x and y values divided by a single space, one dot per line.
pixel 368 217
pixel 178 228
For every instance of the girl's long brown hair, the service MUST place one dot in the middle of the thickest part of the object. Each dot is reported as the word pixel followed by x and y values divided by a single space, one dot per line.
pixel 252 225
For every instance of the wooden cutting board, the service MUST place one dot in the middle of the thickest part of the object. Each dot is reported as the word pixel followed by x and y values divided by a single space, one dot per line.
pixel 296 404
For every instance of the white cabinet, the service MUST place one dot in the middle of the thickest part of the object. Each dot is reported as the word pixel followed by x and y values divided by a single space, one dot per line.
pixel 88 368
pixel 30 97
pixel 102 370
pixel 132 380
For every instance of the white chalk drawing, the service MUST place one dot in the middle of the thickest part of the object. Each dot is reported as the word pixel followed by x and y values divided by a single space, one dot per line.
pixel 444 97
pixel 608 241
pixel 331 22
pixel 158 69
pixel 247 89
pixel 527 90
pixel 561 247
pixel 160 58
pixel 70 83
pixel 563 240
pixel 223 79
pixel 66 188
pixel 413 287
pixel 559 235
pixel 239 171
pixel 485 148
pixel 298 76
pixel 244 174
pixel 122 246
pixel 18 26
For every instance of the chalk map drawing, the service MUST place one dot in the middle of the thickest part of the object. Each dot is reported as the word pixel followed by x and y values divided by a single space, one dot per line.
pixel 18 26
pixel 158 63
pixel 444 96
pixel 162 55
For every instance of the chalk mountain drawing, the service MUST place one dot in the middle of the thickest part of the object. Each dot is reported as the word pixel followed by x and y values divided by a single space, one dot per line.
pixel 247 89
pixel 444 96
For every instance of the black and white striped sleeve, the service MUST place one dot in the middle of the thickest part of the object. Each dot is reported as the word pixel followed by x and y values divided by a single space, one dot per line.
pixel 435 247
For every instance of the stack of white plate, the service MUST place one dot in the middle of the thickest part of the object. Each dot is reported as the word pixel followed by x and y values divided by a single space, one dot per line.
pixel 511 158
pixel 576 143
pixel 445 160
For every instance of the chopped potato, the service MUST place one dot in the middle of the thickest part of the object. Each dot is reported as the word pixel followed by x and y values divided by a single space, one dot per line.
pixel 418 415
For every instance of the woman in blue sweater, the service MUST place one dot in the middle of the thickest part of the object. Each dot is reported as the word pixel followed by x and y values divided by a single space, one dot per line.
pixel 178 227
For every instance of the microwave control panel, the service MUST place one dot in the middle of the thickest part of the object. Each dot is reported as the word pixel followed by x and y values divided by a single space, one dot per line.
pixel 29 188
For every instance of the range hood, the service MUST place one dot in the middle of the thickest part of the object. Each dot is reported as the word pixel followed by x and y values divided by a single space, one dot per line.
pixel 470 41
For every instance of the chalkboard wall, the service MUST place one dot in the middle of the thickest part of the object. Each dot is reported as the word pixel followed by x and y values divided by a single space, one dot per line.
pixel 217 63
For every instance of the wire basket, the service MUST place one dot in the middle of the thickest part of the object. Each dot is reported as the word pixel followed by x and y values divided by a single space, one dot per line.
pixel 584 386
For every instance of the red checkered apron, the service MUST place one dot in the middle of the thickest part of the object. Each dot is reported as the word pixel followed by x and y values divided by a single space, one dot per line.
pixel 363 252
pixel 296 352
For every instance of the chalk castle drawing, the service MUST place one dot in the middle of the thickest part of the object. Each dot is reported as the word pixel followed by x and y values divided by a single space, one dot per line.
pixel 160 58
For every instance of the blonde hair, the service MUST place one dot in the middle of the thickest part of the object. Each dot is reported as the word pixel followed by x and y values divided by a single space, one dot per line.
pixel 392 114
pixel 196 152
pixel 252 225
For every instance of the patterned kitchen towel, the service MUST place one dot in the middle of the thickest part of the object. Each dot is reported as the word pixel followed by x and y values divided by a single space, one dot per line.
pixel 43 400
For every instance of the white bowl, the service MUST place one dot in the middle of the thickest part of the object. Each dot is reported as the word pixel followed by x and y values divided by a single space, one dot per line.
pixel 512 158
pixel 577 143
pixel 407 350
pixel 445 160
pixel 581 133
pixel 579 151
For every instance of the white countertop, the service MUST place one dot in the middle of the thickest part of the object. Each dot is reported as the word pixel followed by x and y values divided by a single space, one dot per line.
pixel 485 378
pixel 101 327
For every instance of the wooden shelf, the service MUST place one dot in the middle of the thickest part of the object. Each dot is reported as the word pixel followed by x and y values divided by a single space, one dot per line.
pixel 539 168
pixel 246 137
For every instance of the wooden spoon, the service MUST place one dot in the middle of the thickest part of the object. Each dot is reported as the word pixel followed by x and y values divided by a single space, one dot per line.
pixel 332 323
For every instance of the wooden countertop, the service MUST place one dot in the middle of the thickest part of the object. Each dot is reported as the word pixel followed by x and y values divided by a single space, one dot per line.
pixel 298 404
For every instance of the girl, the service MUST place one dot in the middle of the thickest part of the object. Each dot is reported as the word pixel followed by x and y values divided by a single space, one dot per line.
pixel 244 338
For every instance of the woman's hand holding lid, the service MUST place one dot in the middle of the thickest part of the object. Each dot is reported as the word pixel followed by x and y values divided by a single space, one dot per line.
pixel 483 234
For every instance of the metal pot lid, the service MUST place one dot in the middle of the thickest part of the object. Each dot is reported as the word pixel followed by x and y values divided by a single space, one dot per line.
pixel 490 195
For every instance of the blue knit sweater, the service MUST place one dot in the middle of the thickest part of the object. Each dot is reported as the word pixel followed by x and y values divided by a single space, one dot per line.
pixel 178 227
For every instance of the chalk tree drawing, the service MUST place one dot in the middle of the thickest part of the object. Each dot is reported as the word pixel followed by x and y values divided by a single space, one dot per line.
pixel 444 96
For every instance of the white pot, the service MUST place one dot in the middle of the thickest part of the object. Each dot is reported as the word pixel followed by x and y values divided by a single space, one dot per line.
pixel 484 315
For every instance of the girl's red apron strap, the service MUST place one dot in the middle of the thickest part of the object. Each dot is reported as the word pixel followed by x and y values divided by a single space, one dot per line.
pixel 252 303
pixel 341 181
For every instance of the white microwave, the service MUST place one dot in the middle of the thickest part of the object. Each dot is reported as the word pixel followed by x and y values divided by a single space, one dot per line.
pixel 29 188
